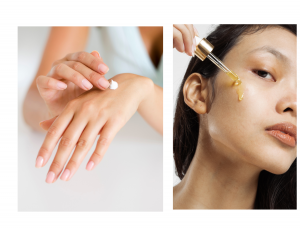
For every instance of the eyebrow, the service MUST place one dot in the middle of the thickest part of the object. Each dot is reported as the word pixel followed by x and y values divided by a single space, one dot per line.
pixel 273 51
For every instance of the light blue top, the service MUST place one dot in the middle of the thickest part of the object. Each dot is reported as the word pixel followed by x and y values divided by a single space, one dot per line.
pixel 123 50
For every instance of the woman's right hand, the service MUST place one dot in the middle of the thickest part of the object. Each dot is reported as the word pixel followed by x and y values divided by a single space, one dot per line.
pixel 184 38
pixel 69 77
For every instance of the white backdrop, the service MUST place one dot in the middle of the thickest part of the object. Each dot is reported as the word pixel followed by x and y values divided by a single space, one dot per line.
pixel 125 13
pixel 129 178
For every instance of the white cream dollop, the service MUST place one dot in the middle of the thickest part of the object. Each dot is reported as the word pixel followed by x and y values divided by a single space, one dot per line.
pixel 113 85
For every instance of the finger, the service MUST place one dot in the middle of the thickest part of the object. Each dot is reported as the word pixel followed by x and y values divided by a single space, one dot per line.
pixel 47 123
pixel 45 82
pixel 89 60
pixel 187 38
pixel 178 40
pixel 196 31
pixel 84 144
pixel 95 78
pixel 96 54
pixel 107 134
pixel 65 147
pixel 63 71
pixel 191 29
pixel 53 135
pixel 192 32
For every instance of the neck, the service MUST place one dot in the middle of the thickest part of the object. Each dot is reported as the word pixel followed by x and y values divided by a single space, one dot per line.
pixel 216 180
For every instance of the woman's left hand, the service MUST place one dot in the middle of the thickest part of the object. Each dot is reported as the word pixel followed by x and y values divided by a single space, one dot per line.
pixel 93 112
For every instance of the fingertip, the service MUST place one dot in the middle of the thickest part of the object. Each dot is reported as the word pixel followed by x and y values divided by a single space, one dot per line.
pixel 41 124
pixel 86 84
pixel 103 83
pixel 96 54
pixel 65 175
pixel 90 165
pixel 196 31
pixel 61 85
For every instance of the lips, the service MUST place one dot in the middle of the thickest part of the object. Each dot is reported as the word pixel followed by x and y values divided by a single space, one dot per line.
pixel 284 132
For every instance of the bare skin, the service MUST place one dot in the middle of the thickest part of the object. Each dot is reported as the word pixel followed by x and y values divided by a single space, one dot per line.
pixel 92 113
pixel 70 100
pixel 184 38
pixel 63 47
pixel 233 146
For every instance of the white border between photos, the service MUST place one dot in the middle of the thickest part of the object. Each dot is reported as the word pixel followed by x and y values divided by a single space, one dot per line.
pixel 126 13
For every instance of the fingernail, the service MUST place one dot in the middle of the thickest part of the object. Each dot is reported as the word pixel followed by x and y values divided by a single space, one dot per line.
pixel 50 177
pixel 61 85
pixel 39 162
pixel 90 165
pixel 103 68
pixel 65 175
pixel 97 53
pixel 103 83
pixel 193 50
pixel 196 31
pixel 86 84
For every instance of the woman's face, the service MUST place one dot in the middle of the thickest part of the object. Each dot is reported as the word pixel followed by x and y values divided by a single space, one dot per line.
pixel 266 64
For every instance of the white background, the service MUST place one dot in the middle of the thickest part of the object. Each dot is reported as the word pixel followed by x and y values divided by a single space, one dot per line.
pixel 95 13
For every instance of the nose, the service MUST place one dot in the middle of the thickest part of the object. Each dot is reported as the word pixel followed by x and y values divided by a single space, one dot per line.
pixel 288 104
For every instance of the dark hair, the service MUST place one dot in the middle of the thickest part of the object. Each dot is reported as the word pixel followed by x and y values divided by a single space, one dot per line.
pixel 274 191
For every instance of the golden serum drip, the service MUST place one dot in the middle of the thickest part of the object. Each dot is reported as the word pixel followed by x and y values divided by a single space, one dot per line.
pixel 204 49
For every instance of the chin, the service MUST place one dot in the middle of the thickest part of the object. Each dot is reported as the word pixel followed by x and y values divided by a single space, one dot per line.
pixel 278 164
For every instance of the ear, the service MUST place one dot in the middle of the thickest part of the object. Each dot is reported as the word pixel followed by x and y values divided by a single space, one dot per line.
pixel 195 93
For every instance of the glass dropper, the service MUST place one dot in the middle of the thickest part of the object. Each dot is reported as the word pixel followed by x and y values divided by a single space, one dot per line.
pixel 204 49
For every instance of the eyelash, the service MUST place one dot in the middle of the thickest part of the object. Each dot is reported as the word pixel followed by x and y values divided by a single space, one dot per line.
pixel 264 72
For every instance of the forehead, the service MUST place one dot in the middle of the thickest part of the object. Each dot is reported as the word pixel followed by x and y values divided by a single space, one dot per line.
pixel 276 39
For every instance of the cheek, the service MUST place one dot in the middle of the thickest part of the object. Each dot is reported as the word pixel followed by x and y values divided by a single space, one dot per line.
pixel 234 123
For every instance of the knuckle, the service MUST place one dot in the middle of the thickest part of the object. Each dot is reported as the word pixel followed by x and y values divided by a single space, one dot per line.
pixel 52 131
pixel 72 163
pixel 56 165
pixel 102 113
pixel 88 106
pixel 82 143
pixel 76 66
pixel 43 152
pixel 103 141
pixel 93 76
pixel 94 63
pixel 81 56
pixel 65 142
pixel 75 77
pixel 71 104
pixel 58 67
pixel 97 155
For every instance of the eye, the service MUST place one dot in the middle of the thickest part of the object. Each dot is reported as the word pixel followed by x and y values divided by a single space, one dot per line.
pixel 264 75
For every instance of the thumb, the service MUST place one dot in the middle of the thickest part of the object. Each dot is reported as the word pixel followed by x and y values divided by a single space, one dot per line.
pixel 96 54
pixel 47 123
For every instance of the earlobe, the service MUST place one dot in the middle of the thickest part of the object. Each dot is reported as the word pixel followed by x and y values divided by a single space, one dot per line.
pixel 195 93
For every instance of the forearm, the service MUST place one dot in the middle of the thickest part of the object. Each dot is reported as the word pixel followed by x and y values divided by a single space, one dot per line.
pixel 151 108
pixel 34 109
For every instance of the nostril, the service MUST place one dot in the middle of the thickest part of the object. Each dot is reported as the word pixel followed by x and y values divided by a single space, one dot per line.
pixel 288 109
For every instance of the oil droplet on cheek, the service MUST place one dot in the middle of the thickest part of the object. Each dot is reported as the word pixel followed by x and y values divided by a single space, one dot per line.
pixel 237 83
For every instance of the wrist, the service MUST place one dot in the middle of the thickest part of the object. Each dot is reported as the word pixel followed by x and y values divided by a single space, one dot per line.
pixel 147 90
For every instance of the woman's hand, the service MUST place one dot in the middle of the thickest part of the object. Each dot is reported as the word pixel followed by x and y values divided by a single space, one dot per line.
pixel 84 117
pixel 184 38
pixel 69 77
